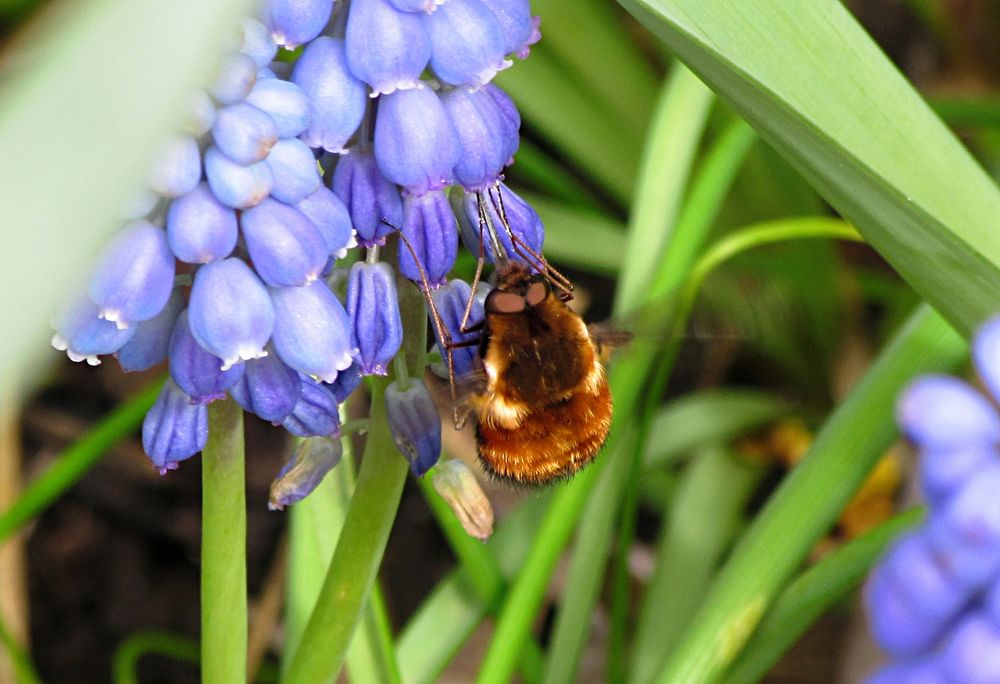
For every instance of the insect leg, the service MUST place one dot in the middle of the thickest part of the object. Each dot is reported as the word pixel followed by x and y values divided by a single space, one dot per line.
pixel 524 250
pixel 442 331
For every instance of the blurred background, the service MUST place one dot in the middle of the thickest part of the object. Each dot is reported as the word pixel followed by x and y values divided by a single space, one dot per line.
pixel 118 553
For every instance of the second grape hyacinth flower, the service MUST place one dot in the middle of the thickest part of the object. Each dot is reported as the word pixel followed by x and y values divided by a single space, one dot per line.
pixel 934 599
pixel 385 121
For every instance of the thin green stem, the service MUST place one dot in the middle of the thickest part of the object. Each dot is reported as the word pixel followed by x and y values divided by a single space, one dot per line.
pixel 362 541
pixel 223 547
pixel 77 460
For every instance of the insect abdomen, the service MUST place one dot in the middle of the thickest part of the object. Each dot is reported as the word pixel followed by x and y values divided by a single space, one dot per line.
pixel 551 443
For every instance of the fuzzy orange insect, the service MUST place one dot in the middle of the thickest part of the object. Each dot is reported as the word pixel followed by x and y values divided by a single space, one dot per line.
pixel 546 409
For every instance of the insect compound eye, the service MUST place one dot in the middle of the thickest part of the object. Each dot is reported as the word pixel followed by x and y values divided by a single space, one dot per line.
pixel 502 302
pixel 537 292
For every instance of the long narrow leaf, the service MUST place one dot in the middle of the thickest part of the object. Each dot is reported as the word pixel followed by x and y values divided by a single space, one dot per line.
pixel 815 86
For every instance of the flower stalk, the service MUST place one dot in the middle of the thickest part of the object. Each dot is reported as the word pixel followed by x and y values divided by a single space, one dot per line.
pixel 356 560
pixel 223 547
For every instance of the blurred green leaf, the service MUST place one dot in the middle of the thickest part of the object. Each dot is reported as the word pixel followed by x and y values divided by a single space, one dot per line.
pixel 706 513
pixel 695 420
pixel 815 86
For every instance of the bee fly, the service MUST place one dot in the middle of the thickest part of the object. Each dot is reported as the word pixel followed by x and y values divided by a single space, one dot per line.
pixel 542 404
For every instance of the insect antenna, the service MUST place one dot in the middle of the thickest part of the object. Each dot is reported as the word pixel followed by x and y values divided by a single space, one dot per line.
pixel 447 342
pixel 523 249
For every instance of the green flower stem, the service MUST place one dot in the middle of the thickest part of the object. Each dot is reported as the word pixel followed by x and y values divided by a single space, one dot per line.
pixel 223 547
pixel 809 500
pixel 77 460
pixel 355 563
pixel 811 594
pixel 18 658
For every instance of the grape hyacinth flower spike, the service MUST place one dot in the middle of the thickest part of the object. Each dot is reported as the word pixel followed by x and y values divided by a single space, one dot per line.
pixel 386 122
pixel 932 599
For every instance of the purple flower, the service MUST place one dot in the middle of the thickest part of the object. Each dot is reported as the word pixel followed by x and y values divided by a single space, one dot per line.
pixel 369 197
pixel 236 77
pixel 938 410
pixel 294 169
pixel 198 373
pixel 244 133
pixel 467 43
pixel 230 312
pixel 134 276
pixel 520 29
pixel 174 429
pixel 347 381
pixel 414 424
pixel 151 341
pixel 426 6
pixel 930 598
pixel 257 44
pixel 481 131
pixel 521 219
pixel 312 459
pixel 450 302
pixel 372 306
pixel 285 102
pixel 337 97
pixel 268 388
pixel 510 119
pixel 84 335
pixel 294 22
pixel 236 185
pixel 386 48
pixel 430 229
pixel 415 144
pixel 329 215
pixel 316 413
pixel 285 246
pixel 312 333
pixel 177 167
pixel 200 228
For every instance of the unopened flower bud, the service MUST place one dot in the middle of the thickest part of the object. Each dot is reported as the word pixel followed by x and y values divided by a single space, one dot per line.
pixel 450 302
pixel 430 228
pixel 373 308
pixel 459 487
pixel 198 373
pixel 371 200
pixel 151 341
pixel 316 413
pixel 236 185
pixel 414 423
pixel 174 429
pixel 329 215
pixel 312 459
pixel 269 389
